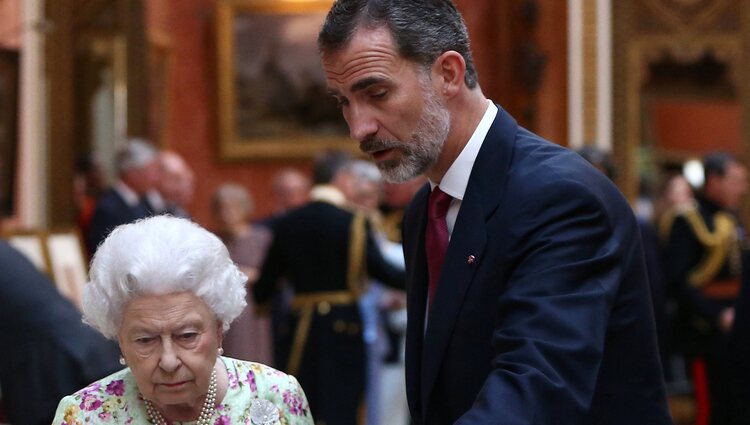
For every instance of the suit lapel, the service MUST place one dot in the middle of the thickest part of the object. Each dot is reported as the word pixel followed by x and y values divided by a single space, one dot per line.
pixel 482 198
pixel 416 297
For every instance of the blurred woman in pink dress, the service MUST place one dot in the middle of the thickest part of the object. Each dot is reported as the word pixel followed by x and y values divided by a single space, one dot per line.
pixel 250 335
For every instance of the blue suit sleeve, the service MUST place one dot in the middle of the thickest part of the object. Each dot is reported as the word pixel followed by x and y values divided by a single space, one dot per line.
pixel 553 310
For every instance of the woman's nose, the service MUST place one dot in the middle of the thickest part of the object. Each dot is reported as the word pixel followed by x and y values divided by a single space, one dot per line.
pixel 169 360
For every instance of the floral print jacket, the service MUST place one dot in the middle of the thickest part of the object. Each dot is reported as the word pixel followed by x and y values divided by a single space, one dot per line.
pixel 116 399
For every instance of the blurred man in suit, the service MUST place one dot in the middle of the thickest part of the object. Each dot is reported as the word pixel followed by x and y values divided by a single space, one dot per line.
pixel 124 202
pixel 175 185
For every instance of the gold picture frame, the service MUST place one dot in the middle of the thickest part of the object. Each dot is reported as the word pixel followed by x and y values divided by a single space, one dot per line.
pixel 272 97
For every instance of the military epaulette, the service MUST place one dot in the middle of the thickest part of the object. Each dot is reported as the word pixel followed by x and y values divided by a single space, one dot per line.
pixel 718 245
pixel 392 225
pixel 667 219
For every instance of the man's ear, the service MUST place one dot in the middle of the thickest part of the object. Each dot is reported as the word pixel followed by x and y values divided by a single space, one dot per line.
pixel 448 73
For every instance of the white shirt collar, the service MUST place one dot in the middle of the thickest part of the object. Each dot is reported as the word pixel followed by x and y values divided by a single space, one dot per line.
pixel 131 198
pixel 328 193
pixel 456 178
pixel 156 201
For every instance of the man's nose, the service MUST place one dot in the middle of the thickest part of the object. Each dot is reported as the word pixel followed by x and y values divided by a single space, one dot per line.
pixel 361 123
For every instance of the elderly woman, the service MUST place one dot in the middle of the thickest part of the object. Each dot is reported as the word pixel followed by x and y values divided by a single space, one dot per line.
pixel 250 336
pixel 166 290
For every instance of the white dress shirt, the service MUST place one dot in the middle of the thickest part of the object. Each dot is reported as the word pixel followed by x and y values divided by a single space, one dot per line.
pixel 456 178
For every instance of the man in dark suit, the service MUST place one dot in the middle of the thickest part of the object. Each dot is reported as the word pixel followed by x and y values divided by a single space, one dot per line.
pixel 47 352
pixel 125 202
pixel 527 292
pixel 325 251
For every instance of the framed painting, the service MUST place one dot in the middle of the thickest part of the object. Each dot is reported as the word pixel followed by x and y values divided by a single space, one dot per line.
pixel 273 101
pixel 67 263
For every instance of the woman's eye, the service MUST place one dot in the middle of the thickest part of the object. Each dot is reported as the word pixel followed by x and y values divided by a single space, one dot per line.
pixel 188 336
pixel 145 340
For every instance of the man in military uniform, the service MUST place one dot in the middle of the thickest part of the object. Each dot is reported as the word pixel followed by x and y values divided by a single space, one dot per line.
pixel 325 250
pixel 703 266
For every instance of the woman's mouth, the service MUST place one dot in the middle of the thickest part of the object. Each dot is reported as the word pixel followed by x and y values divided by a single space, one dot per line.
pixel 174 384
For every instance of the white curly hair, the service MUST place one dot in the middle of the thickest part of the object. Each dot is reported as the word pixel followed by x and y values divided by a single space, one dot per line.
pixel 155 256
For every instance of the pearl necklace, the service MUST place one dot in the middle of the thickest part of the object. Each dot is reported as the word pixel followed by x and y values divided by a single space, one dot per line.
pixel 209 406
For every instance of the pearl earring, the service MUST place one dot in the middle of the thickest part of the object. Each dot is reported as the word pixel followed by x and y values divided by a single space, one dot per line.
pixel 122 361
pixel 221 351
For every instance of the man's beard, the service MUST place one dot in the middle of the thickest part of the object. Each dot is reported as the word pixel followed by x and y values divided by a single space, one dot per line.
pixel 421 151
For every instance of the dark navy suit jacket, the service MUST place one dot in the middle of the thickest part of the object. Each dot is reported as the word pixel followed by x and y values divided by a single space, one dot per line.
pixel 552 323
pixel 111 211
pixel 47 352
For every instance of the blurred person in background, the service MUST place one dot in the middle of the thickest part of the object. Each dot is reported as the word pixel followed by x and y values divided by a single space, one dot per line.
pixel 89 182
pixel 137 174
pixel 703 266
pixel 291 190
pixel 176 185
pixel 325 251
pixel 377 300
pixel 676 195
pixel 250 336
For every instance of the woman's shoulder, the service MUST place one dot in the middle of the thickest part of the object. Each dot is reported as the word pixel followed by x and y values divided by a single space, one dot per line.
pixel 256 376
pixel 109 399
pixel 259 381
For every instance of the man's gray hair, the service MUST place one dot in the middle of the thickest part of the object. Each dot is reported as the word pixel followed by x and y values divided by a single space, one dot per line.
pixel 156 256
pixel 422 29
pixel 135 153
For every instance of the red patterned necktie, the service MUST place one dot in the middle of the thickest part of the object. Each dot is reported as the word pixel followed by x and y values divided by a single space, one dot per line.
pixel 436 237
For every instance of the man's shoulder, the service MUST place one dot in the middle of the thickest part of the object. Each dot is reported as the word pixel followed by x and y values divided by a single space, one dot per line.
pixel 319 210
pixel 542 168
pixel 109 200
pixel 314 217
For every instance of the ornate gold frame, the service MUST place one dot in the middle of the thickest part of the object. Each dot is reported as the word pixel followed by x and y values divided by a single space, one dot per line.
pixel 637 49
pixel 231 146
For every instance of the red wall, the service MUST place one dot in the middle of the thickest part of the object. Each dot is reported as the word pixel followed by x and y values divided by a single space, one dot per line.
pixel 698 127
pixel 10 24
pixel 192 117
pixel 192 120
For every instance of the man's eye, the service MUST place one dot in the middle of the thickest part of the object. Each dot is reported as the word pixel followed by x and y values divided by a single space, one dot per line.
pixel 341 101
pixel 379 94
